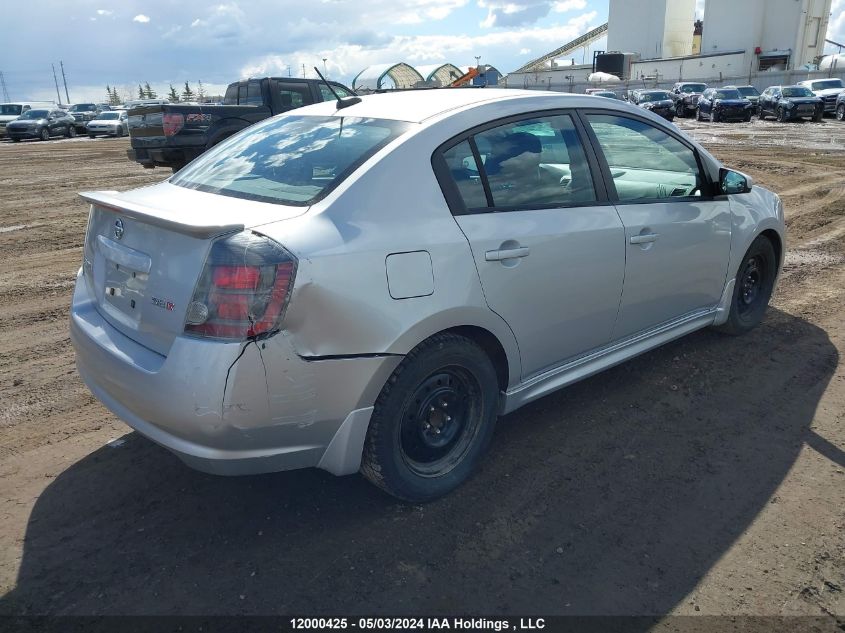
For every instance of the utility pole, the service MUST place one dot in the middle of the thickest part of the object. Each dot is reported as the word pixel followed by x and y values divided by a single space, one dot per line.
pixel 303 71
pixel 288 70
pixel 59 96
pixel 325 70
pixel 3 85
pixel 62 64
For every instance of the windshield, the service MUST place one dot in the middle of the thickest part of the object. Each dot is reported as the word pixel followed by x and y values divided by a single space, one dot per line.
pixel 798 91
pixel 292 160
pixel 827 84
pixel 748 91
pixel 10 109
pixel 655 96
pixel 35 114
pixel 105 116
pixel 693 88
pixel 727 94
pixel 82 107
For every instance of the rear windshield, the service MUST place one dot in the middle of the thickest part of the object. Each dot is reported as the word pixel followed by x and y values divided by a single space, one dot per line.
pixel 294 160
pixel 10 109
pixel 105 116
pixel 82 107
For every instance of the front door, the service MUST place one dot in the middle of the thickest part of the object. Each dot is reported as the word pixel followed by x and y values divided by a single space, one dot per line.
pixel 549 252
pixel 677 235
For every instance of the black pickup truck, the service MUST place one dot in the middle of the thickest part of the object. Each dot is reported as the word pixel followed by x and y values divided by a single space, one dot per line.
pixel 172 135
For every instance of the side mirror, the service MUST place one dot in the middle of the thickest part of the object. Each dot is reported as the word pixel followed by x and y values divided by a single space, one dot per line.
pixel 733 182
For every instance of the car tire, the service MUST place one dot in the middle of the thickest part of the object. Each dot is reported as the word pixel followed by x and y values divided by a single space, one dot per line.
pixel 698 114
pixel 748 118
pixel 16 140
pixel 404 453
pixel 670 118
pixel 119 132
pixel 44 134
pixel 714 116
pixel 840 112
pixel 818 116
pixel 71 131
pixel 781 115
pixel 753 287
pixel 91 135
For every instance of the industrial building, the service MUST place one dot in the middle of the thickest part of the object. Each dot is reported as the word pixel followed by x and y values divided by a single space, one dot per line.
pixel 659 42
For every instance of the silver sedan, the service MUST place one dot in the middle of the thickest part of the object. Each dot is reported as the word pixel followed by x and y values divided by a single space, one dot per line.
pixel 366 285
pixel 110 122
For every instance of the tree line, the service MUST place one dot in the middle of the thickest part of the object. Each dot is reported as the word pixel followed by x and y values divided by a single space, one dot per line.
pixel 145 91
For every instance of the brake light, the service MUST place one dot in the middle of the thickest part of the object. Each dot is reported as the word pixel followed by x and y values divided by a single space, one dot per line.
pixel 172 122
pixel 244 289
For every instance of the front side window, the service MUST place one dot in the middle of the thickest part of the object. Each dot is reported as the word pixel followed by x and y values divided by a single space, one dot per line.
pixel 645 162
pixel 293 160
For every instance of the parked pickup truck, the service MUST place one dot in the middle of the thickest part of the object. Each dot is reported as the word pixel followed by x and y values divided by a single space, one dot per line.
pixel 172 135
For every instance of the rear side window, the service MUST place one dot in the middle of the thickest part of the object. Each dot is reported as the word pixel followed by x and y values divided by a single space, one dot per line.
pixel 292 160
pixel 231 97
pixel 532 163
pixel 253 94
pixel 645 162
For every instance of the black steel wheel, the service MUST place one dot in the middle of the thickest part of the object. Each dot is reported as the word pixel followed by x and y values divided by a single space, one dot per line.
pixel 753 287
pixel 433 420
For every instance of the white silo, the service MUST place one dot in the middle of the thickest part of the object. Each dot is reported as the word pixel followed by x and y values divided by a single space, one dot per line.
pixel 652 28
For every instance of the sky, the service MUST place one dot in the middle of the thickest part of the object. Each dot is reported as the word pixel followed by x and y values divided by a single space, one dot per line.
pixel 122 43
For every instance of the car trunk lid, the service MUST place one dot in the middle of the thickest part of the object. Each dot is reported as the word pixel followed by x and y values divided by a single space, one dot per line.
pixel 145 251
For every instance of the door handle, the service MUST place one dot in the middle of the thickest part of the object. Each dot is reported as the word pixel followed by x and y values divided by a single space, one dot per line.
pixel 644 238
pixel 507 253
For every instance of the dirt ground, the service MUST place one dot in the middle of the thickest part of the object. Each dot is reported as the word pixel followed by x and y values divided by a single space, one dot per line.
pixel 707 477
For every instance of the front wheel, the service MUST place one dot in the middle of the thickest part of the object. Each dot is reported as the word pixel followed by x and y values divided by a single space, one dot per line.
pixel 748 117
pixel 818 116
pixel 91 135
pixel 714 116
pixel 45 134
pixel 433 420
pixel 781 115
pixel 71 131
pixel 753 287
pixel 840 112
pixel 698 114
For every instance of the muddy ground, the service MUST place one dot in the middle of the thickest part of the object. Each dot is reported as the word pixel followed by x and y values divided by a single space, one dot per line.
pixel 707 477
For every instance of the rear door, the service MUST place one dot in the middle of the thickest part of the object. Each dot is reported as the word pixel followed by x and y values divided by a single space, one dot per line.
pixel 548 246
pixel 677 234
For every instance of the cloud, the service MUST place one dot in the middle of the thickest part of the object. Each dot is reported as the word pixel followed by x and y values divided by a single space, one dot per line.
pixel 141 18
pixel 104 12
pixel 568 5
pixel 513 12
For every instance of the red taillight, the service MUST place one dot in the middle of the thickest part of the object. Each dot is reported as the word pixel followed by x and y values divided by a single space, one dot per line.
pixel 239 301
pixel 172 123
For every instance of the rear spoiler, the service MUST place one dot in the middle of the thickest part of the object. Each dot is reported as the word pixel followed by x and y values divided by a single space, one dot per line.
pixel 111 201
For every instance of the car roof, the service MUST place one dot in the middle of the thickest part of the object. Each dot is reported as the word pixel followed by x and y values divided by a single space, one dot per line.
pixel 418 105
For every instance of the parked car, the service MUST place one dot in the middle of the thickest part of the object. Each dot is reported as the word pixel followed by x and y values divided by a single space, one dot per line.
pixel 609 94
pixel 82 113
pixel 41 124
pixel 790 102
pixel 370 287
pixel 749 92
pixel 723 104
pixel 11 111
pixel 172 135
pixel 685 94
pixel 840 107
pixel 658 101
pixel 111 123
pixel 826 89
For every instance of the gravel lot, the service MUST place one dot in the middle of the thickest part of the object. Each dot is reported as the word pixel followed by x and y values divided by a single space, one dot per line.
pixel 707 477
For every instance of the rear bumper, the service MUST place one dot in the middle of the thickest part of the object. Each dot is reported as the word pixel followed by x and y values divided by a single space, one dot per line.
pixel 231 408
pixel 164 157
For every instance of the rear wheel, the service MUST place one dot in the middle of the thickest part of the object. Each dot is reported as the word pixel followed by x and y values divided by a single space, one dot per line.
pixel 840 112
pixel 752 287
pixel 45 134
pixel 433 420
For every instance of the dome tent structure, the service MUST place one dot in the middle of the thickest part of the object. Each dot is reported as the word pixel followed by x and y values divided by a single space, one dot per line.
pixel 373 78
pixel 440 74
